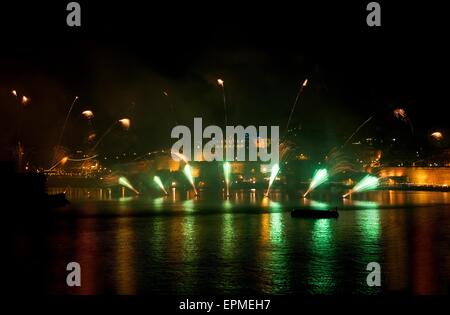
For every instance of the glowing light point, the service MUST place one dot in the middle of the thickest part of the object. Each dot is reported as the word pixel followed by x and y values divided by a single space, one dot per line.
pixel 88 114
pixel 437 135
pixel 25 100
pixel 125 123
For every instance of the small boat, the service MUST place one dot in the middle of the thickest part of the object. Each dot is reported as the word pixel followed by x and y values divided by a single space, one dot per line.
pixel 314 214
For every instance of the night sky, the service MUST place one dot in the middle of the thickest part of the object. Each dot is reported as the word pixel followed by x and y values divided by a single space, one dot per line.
pixel 127 53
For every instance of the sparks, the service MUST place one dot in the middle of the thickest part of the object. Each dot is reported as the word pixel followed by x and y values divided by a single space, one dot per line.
pixel 188 172
pixel 369 182
pixel 125 182
pixel 125 123
pixel 273 174
pixel 158 182
pixel 88 114
pixel 320 177
pixel 226 173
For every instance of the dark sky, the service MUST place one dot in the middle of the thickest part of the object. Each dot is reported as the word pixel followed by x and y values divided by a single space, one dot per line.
pixel 128 52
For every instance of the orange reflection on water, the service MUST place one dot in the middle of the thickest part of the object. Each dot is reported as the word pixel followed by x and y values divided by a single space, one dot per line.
pixel 86 249
pixel 424 255
pixel 265 228
pixel 396 250
pixel 125 270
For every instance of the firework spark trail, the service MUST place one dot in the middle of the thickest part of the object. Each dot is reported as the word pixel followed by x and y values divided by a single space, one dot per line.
pixel 103 136
pixel 172 109
pixel 125 182
pixel 188 172
pixel 83 159
pixel 369 182
pixel 320 177
pixel 65 123
pixel 221 83
pixel 357 129
pixel 62 161
pixel 124 122
pixel 400 113
pixel 158 181
pixel 295 103
pixel 338 162
pixel 273 175
pixel 226 173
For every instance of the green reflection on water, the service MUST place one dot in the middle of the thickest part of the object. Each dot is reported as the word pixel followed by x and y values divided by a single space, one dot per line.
pixel 188 205
pixel 274 206
pixel 365 204
pixel 188 237
pixel 369 224
pixel 125 199
pixel 369 220
pixel 158 203
pixel 321 270
pixel 278 258
pixel 319 205
pixel 276 228
pixel 227 205
pixel 228 234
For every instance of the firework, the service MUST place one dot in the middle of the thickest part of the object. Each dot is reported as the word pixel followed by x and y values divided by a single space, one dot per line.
pixel 400 113
pixel 92 137
pixel 125 182
pixel 124 122
pixel 369 182
pixel 226 173
pixel 273 175
pixel 221 83
pixel 297 98
pixel 25 100
pixel 158 182
pixel 188 172
pixel 437 135
pixel 83 159
pixel 357 129
pixel 320 177
pixel 65 123
pixel 88 114
pixel 60 162
pixel 171 107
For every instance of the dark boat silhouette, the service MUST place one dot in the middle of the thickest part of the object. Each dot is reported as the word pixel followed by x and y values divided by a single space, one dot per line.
pixel 314 213
pixel 28 192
